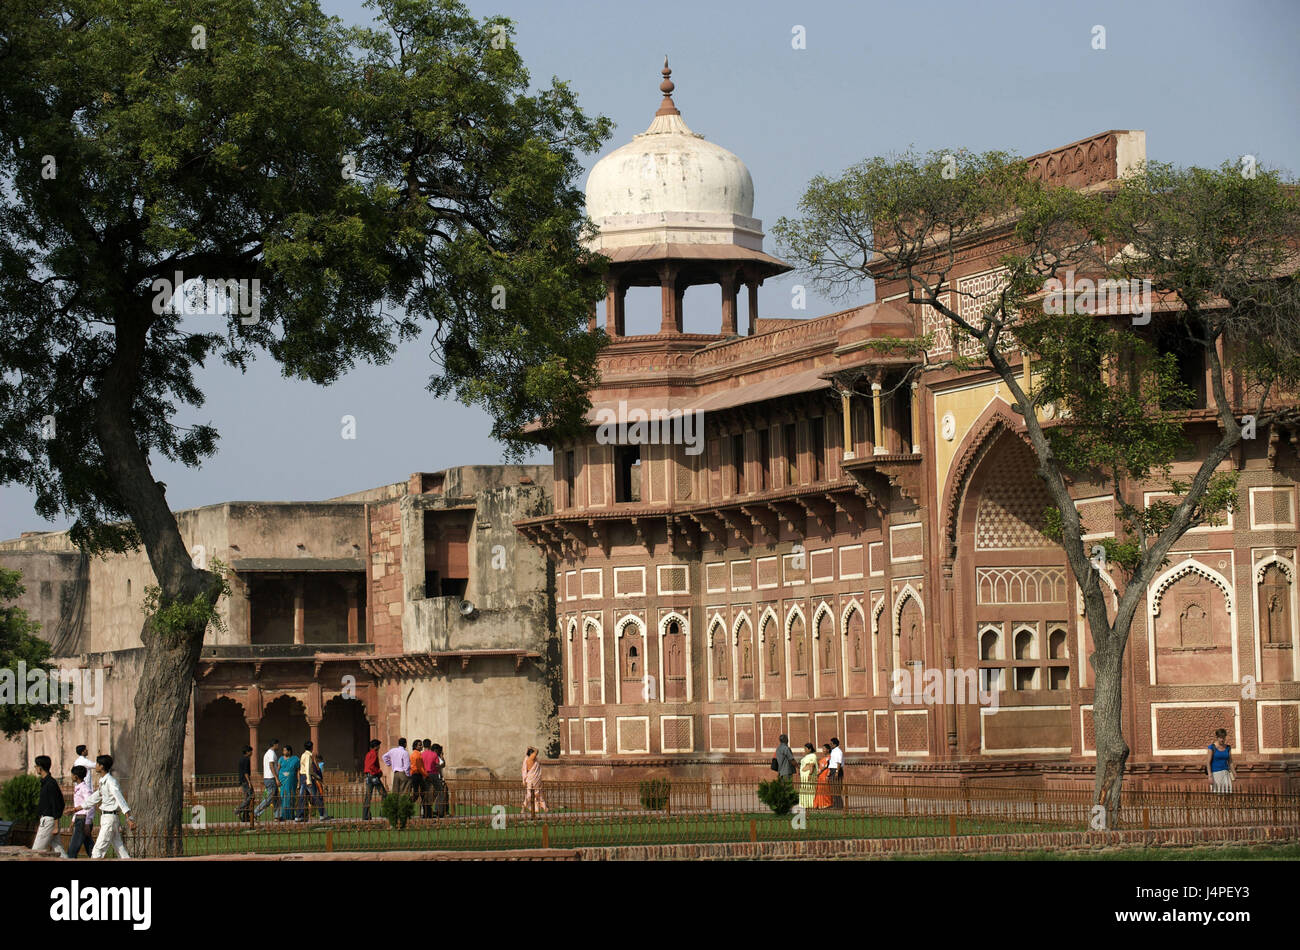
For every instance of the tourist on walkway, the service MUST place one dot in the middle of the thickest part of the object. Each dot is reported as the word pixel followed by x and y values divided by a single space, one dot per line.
pixel 785 767
pixel 86 764
pixel 112 809
pixel 83 815
pixel 439 783
pixel 399 760
pixel 288 774
pixel 310 776
pixel 50 809
pixel 533 800
pixel 245 768
pixel 807 776
pixel 430 786
pixel 373 776
pixel 1219 765
pixel 270 764
pixel 823 797
pixel 419 778
pixel 835 774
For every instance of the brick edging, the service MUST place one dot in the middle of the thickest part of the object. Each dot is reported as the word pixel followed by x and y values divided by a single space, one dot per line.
pixel 986 844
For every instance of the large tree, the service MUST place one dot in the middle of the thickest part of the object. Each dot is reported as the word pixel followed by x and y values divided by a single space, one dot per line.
pixel 373 182
pixel 1219 248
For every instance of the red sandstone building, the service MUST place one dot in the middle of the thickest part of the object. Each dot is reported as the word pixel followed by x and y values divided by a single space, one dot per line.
pixel 837 527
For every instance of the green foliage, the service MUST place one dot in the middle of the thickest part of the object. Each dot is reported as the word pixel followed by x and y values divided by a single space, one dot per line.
pixel 778 794
pixel 398 809
pixel 654 793
pixel 1217 245
pixel 19 643
pixel 378 182
pixel 20 799
pixel 177 620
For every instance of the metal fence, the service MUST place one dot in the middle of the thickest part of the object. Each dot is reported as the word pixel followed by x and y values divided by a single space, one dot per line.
pixel 488 815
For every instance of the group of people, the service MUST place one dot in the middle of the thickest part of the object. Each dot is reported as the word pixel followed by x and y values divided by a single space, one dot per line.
pixel 417 772
pixel 105 797
pixel 294 784
pixel 821 778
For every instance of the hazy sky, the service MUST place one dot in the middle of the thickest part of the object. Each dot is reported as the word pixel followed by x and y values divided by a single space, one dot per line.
pixel 1207 81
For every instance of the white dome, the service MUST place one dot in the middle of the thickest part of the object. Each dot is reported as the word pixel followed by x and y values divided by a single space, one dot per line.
pixel 669 169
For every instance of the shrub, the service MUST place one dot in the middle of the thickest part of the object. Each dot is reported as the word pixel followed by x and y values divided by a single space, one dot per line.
pixel 20 798
pixel 779 794
pixel 398 809
pixel 654 793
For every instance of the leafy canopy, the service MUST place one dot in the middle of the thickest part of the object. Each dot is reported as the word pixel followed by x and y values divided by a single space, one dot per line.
pixel 373 181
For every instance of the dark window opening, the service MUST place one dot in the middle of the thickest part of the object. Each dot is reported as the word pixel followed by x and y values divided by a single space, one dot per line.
pixel 567 473
pixel 902 411
pixel 627 474
pixel 764 460
pixel 738 461
pixel 791 455
pixel 818 448
pixel 1190 356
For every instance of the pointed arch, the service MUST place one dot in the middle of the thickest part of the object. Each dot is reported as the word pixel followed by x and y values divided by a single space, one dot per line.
pixel 1157 592
pixel 1189 566
pixel 742 682
pixel 1288 570
pixel 996 420
pixel 767 621
pixel 625 662
pixel 588 625
pixel 896 616
pixel 716 624
pixel 684 626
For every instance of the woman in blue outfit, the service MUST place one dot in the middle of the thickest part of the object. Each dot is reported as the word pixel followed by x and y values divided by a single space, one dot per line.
pixel 288 775
pixel 1219 764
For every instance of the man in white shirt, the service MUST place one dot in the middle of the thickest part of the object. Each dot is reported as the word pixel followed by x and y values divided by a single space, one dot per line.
pixel 269 762
pixel 112 807
pixel 399 760
pixel 835 778
pixel 86 764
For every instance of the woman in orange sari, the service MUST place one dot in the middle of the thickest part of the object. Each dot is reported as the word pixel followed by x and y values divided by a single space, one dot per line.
pixel 823 797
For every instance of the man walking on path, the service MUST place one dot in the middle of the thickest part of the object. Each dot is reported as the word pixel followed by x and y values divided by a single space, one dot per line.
pixel 50 809
pixel 785 764
pixel 83 817
pixel 399 760
pixel 245 768
pixel 86 764
pixel 270 762
pixel 112 806
pixel 835 776
pixel 310 778
pixel 373 777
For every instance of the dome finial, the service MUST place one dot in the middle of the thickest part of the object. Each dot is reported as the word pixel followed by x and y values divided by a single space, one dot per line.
pixel 667 107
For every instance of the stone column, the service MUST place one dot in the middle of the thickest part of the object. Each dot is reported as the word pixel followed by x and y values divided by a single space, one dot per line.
pixel 615 295
pixel 314 724
pixel 916 419
pixel 670 300
pixel 299 613
pixel 877 417
pixel 253 725
pixel 728 282
pixel 846 411
pixel 353 610
pixel 752 286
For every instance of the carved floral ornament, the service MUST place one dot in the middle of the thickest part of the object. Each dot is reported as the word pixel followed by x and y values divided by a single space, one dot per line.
pixel 1190 567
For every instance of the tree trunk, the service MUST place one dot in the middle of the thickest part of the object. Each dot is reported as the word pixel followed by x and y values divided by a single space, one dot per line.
pixel 162 700
pixel 162 704
pixel 1112 750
